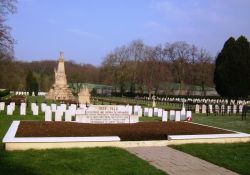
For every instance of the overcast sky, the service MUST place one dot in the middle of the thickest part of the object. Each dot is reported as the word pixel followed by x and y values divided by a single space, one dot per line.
pixel 86 30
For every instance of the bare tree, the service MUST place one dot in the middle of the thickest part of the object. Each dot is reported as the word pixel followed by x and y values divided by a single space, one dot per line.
pixel 6 41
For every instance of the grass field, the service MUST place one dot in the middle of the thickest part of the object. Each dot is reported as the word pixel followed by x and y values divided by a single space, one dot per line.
pixel 67 161
pixel 117 161
pixel 235 157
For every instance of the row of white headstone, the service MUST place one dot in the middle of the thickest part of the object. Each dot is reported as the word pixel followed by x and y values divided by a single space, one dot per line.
pixel 70 111
pixel 11 108
pixel 229 109
pixel 197 100
pixel 27 93
pixel 173 115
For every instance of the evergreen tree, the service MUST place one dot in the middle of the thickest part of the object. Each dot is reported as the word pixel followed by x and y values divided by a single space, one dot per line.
pixel 31 84
pixel 232 71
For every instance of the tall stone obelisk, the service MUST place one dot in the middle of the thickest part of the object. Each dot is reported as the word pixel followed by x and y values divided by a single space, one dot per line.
pixel 60 90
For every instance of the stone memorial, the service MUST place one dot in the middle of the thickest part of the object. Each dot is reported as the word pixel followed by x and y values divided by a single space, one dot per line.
pixel 84 96
pixel 106 114
pixel 60 90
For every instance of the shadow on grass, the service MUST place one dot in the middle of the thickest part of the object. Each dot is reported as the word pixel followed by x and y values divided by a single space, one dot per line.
pixel 8 166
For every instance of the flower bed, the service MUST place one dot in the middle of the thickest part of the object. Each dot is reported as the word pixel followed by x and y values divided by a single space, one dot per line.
pixel 126 132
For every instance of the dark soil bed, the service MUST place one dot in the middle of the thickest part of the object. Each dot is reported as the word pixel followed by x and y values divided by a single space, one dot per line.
pixel 132 132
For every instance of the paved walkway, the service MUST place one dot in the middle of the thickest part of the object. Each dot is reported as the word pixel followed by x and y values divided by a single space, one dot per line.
pixel 175 162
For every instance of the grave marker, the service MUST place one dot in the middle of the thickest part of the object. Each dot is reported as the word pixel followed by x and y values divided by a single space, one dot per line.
pixel 165 116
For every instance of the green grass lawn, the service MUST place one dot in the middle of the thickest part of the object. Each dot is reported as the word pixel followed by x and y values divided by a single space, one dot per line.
pixel 74 161
pixel 235 157
pixel 117 161
pixel 228 122
pixel 66 161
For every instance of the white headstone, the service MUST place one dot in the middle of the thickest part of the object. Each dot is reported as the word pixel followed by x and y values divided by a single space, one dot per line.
pixel 23 109
pixel 12 104
pixel 189 116
pixel 130 109
pixel 58 115
pixel 183 115
pixel 43 107
pixel 222 108
pixel 63 107
pixel 83 106
pixel 197 108
pixel 210 108
pixel 48 114
pixel 2 105
pixel 145 112
pixel 234 109
pixel 53 107
pixel 160 112
pixel 155 112
pixel 35 110
pixel 177 116
pixel 150 112
pixel 140 112
pixel 79 113
pixel 9 110
pixel 172 115
pixel 240 108
pixel 68 116
pixel 165 116
pixel 228 109
pixel 217 108
pixel 203 109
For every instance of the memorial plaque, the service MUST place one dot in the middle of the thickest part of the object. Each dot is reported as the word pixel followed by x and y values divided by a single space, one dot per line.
pixel 107 114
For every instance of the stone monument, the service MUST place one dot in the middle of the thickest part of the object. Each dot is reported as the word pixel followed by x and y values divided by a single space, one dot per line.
pixel 84 96
pixel 60 90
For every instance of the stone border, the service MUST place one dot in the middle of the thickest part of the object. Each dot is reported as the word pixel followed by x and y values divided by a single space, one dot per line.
pixel 10 137
pixel 12 143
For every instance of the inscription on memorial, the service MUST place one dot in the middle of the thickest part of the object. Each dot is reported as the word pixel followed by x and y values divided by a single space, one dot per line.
pixel 107 114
